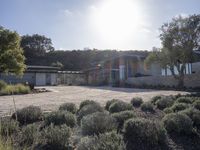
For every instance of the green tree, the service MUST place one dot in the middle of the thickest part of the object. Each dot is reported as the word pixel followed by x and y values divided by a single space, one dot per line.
pixel 36 45
pixel 179 38
pixel 11 54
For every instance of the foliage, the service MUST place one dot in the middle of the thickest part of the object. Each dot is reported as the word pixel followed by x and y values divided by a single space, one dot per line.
pixel 122 116
pixel 120 106
pixel 5 145
pixel 60 117
pixel 87 102
pixel 55 137
pixel 136 101
pixel 110 102
pixel 8 126
pixel 196 104
pixel 179 106
pixel 147 106
pixel 155 99
pixel 71 107
pixel 178 123
pixel 11 54
pixel 106 141
pixel 186 100
pixel 28 114
pixel 142 134
pixel 164 102
pixel 57 64
pixel 168 110
pixel 2 84
pixel 96 123
pixel 89 109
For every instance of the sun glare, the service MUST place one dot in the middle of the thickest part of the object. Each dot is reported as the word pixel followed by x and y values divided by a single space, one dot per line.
pixel 116 20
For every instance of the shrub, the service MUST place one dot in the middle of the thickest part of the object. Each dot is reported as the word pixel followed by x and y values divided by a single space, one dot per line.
pixel 120 106
pixel 122 116
pixel 71 107
pixel 86 102
pixel 8 126
pixel 168 110
pixel 136 102
pixel 28 114
pixel 97 123
pixel 106 141
pixel 155 99
pixel 108 103
pixel 15 89
pixel 6 145
pixel 186 100
pixel 196 104
pixel 89 109
pixel 178 123
pixel 179 106
pixel 60 117
pixel 194 114
pixel 147 106
pixel 164 102
pixel 2 84
pixel 56 137
pixel 143 134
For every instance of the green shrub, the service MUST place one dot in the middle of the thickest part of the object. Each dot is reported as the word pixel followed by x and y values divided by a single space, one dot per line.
pixel 141 133
pixel 28 114
pixel 97 123
pixel 196 104
pixel 60 117
pixel 122 116
pixel 179 106
pixel 5 145
pixel 136 101
pixel 15 89
pixel 71 107
pixel 155 99
pixel 29 135
pixel 186 100
pixel 194 114
pixel 178 123
pixel 147 106
pixel 106 141
pixel 108 103
pixel 56 137
pixel 89 109
pixel 2 84
pixel 164 102
pixel 120 106
pixel 86 102
pixel 168 110
pixel 8 126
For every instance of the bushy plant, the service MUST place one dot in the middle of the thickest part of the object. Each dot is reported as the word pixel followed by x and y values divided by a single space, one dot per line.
pixel 28 114
pixel 147 106
pixel 136 101
pixel 86 102
pixel 122 116
pixel 186 100
pixel 97 123
pixel 141 133
pixel 196 104
pixel 178 123
pixel 15 89
pixel 108 103
pixel 71 107
pixel 89 109
pixel 179 106
pixel 120 106
pixel 164 102
pixel 155 99
pixel 168 110
pixel 55 137
pixel 106 141
pixel 3 84
pixel 8 126
pixel 60 117
pixel 5 145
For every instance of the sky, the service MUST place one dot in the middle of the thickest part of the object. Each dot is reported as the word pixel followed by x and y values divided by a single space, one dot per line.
pixel 100 24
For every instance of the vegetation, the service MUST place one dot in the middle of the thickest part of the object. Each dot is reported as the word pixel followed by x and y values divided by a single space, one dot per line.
pixel 179 106
pixel 136 101
pixel 120 106
pixel 147 106
pixel 110 102
pixel 164 102
pixel 87 102
pixel 71 107
pixel 196 104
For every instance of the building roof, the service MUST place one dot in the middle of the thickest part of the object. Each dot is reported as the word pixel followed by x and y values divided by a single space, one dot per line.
pixel 42 69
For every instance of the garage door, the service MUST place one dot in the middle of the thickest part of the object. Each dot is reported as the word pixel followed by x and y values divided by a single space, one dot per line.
pixel 40 79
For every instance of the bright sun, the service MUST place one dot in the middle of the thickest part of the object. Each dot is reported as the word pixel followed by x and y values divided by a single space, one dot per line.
pixel 116 20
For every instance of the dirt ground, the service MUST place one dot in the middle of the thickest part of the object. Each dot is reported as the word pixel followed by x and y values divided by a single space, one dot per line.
pixel 76 94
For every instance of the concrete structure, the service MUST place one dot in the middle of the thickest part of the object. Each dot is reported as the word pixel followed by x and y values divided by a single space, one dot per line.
pixel 35 75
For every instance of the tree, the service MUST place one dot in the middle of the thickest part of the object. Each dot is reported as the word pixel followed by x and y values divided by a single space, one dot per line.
pixel 36 45
pixel 179 38
pixel 11 54
pixel 57 64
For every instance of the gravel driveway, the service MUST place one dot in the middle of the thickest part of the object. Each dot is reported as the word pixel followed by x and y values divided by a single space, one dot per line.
pixel 76 94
